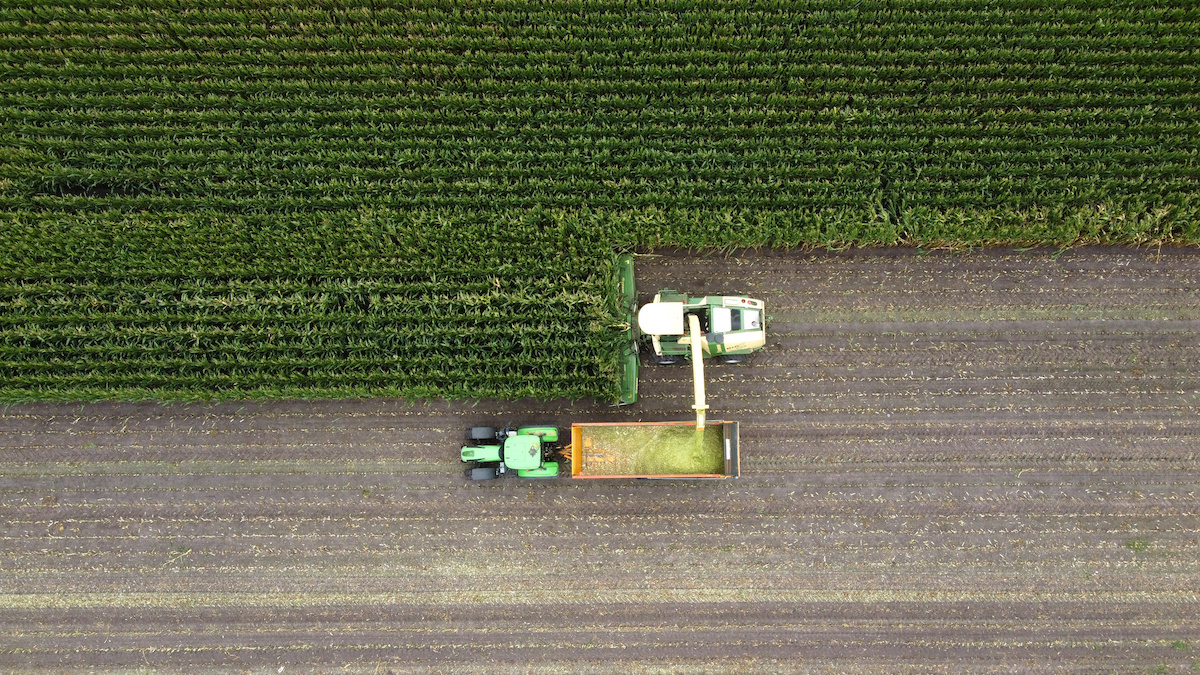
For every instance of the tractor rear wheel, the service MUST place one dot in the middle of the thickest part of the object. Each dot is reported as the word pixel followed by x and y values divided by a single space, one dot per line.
pixel 481 434
pixel 482 473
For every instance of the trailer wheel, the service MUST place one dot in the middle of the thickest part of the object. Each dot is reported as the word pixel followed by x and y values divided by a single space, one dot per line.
pixel 481 434
pixel 482 473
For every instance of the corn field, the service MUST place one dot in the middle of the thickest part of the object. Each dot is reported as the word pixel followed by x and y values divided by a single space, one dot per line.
pixel 420 199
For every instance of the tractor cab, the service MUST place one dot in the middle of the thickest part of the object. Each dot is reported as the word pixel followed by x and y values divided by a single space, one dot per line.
pixel 731 327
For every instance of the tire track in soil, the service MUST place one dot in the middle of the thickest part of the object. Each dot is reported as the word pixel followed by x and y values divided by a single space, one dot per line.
pixel 970 462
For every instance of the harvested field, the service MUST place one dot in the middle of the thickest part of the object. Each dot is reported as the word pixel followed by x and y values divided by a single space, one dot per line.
pixel 951 462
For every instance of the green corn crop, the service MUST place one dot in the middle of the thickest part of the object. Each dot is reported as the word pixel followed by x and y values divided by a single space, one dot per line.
pixel 420 199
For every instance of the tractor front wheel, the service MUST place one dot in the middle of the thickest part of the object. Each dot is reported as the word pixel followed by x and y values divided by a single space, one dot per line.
pixel 481 434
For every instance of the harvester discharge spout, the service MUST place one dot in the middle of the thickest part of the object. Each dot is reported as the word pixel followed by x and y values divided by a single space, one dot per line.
pixel 697 368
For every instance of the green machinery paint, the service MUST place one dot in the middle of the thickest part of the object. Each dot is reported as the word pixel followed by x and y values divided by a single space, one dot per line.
pixel 627 367
pixel 523 452
pixel 547 434
pixel 480 453
pixel 546 470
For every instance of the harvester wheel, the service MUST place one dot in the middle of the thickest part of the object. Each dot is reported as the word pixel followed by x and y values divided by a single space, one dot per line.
pixel 482 473
pixel 666 360
pixel 481 434
pixel 733 358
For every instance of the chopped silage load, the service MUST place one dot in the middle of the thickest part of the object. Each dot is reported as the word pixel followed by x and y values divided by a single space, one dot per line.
pixel 652 450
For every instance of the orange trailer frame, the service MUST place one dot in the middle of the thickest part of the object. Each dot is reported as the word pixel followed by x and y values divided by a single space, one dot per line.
pixel 579 451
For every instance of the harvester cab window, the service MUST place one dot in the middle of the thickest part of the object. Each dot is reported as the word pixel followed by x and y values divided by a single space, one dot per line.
pixel 722 320
pixel 751 319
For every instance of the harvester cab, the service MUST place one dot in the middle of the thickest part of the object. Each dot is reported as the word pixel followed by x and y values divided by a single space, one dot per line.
pixel 491 453
pixel 724 326
pixel 730 326
pixel 727 327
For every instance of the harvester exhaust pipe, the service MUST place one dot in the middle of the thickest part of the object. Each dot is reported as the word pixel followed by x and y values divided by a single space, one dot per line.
pixel 697 369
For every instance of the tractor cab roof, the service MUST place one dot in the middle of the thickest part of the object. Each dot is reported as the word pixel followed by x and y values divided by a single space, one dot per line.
pixel 523 452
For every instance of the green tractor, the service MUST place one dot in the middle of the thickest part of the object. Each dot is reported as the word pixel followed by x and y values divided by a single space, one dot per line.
pixel 728 327
pixel 526 450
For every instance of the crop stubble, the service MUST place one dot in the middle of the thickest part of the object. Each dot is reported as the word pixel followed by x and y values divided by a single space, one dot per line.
pixel 970 461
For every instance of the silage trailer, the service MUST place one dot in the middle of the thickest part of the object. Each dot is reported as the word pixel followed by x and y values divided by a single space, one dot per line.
pixel 681 450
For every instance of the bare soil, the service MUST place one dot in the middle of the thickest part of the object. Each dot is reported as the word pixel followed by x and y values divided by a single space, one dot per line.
pixel 952 462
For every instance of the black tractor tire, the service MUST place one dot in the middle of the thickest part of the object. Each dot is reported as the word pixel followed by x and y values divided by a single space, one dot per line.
pixel 482 473
pixel 667 360
pixel 481 434
pixel 733 359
